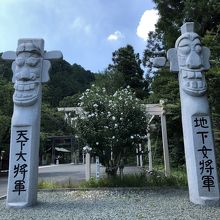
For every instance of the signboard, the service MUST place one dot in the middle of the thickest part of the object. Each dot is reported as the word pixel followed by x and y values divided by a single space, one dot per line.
pixel 205 155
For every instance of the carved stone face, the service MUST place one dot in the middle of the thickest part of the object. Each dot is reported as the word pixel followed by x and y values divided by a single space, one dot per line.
pixel 190 60
pixel 27 78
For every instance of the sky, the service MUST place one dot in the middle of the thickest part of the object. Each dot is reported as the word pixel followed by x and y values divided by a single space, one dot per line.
pixel 87 32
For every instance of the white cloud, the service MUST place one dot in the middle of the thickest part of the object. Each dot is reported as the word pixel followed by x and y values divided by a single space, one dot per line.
pixel 80 25
pixel 115 36
pixel 147 23
pixel 77 23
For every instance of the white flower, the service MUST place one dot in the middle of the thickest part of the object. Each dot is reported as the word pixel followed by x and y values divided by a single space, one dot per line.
pixel 116 125
pixel 95 105
pixel 113 137
pixel 97 143
pixel 113 118
pixel 132 137
pixel 144 137
pixel 91 115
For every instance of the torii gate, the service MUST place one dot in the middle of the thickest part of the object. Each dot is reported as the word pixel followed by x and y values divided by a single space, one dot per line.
pixel 152 109
pixel 158 110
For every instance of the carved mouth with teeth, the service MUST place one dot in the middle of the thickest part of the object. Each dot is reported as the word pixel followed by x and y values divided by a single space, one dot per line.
pixel 193 82
pixel 26 94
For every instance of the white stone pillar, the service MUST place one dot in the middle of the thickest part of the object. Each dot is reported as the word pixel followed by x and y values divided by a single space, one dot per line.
pixel 87 151
pixel 97 168
pixel 140 155
pixel 191 59
pixel 83 157
pixel 73 153
pixel 53 151
pixel 165 145
pixel 150 168
pixel 30 70
pixel 88 166
pixel 0 161
pixel 137 157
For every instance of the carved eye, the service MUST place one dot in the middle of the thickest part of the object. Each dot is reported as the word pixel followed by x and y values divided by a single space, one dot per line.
pixel 198 48
pixel 20 62
pixel 32 61
pixel 185 49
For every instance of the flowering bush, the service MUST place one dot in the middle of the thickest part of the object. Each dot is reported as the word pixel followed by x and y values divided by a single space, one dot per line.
pixel 113 125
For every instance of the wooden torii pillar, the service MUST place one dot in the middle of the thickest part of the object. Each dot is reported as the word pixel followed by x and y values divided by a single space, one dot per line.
pixel 154 110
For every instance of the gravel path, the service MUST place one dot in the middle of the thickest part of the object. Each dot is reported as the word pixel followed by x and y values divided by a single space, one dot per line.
pixel 109 204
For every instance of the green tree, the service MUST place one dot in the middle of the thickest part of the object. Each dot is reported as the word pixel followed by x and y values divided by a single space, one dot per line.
pixel 154 48
pixel 52 121
pixel 52 124
pixel 212 40
pixel 6 107
pixel 66 80
pixel 70 101
pixel 5 69
pixel 127 62
pixel 170 19
pixel 111 80
pixel 206 14
pixel 164 85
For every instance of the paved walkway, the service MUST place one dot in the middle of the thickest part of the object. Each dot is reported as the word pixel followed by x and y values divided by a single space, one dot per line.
pixel 63 173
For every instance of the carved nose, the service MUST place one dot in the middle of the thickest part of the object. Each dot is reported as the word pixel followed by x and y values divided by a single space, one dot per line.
pixel 25 75
pixel 193 61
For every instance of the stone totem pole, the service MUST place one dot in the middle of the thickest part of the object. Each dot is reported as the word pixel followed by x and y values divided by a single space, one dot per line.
pixel 191 59
pixel 30 69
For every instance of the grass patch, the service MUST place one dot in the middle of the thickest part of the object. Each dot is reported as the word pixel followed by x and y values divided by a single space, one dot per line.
pixel 137 180
pixel 155 179
pixel 57 185
pixel 48 185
